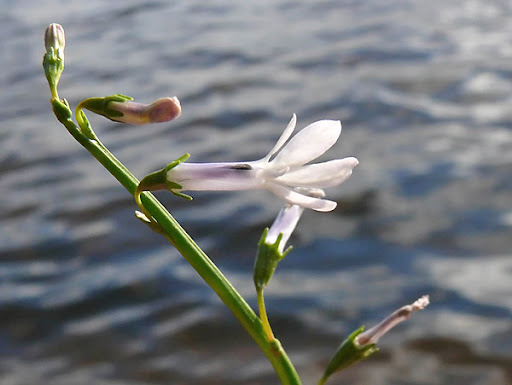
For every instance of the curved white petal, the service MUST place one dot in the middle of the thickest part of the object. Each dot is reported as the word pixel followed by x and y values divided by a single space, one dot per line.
pixel 305 201
pixel 284 137
pixel 322 175
pixel 309 143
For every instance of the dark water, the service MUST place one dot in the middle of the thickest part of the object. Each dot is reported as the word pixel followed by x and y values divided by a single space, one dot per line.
pixel 424 90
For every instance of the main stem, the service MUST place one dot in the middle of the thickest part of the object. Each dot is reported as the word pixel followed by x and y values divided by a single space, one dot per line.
pixel 192 253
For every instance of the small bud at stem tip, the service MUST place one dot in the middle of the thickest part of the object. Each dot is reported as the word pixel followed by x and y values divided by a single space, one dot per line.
pixel 54 37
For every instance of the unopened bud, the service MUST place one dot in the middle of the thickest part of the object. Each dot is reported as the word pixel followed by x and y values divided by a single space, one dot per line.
pixel 121 108
pixel 372 335
pixel 271 248
pixel 53 59
pixel 284 224
pixel 161 110
pixel 54 37
pixel 361 344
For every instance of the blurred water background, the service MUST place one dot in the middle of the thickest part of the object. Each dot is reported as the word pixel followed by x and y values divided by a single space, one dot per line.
pixel 88 295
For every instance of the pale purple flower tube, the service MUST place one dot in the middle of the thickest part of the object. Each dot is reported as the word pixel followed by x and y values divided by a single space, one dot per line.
pixel 216 176
pixel 161 110
pixel 372 335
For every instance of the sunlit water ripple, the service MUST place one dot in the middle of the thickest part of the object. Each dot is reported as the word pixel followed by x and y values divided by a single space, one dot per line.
pixel 423 89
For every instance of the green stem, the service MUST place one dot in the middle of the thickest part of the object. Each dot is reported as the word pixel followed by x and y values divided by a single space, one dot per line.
pixel 53 90
pixel 263 315
pixel 191 252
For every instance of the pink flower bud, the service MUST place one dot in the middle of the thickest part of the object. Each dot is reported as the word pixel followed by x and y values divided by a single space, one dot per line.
pixel 161 110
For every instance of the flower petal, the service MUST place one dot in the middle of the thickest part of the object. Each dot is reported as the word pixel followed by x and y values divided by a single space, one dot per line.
pixel 305 201
pixel 308 144
pixel 284 137
pixel 321 175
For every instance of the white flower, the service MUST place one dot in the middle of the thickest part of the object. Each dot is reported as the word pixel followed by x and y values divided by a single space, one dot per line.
pixel 284 171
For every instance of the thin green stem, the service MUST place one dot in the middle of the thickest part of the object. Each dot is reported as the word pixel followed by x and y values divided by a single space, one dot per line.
pixel 263 315
pixel 191 252
pixel 322 380
pixel 53 90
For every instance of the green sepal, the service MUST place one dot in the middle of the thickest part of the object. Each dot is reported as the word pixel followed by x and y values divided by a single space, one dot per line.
pixel 100 105
pixel 267 258
pixel 158 180
pixel 53 64
pixel 181 195
pixel 348 353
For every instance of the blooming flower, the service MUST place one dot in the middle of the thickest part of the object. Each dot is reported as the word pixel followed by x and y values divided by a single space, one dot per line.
pixel 284 170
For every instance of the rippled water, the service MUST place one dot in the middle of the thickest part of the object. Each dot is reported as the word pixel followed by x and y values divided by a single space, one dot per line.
pixel 89 295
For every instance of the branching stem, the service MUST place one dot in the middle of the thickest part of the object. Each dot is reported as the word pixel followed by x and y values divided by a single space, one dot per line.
pixel 172 230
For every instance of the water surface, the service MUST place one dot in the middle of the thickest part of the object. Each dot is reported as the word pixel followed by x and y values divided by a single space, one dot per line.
pixel 423 89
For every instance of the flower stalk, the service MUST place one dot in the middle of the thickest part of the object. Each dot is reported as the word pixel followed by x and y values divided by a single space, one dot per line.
pixel 186 247
pixel 270 252
pixel 263 315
